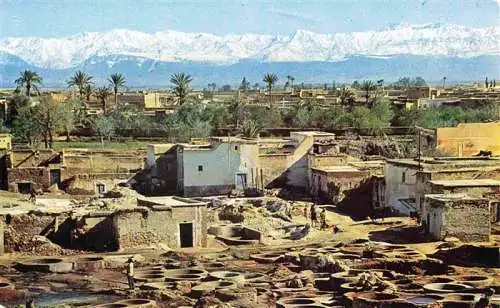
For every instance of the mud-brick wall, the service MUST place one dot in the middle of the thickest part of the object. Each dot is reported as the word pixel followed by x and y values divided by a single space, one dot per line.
pixel 273 167
pixel 142 228
pixel 100 233
pixel 20 230
pixel 469 138
pixel 38 175
pixel 468 220
pixel 101 163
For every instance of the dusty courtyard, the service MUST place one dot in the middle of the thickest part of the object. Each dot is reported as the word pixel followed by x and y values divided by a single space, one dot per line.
pixel 366 262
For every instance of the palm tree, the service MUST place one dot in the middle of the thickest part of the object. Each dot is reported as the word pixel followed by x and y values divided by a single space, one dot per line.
pixel 102 94
pixel 29 79
pixel 270 79
pixel 368 86
pixel 244 85
pixel 346 96
pixel 116 81
pixel 87 92
pixel 181 86
pixel 80 80
pixel 444 81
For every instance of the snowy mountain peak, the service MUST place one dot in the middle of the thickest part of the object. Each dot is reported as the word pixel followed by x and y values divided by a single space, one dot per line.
pixel 437 39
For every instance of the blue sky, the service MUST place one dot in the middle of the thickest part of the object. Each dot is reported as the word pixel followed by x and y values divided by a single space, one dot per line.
pixel 55 18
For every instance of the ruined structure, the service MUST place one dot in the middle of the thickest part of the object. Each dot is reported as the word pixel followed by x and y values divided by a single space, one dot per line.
pixel 108 224
pixel 406 179
pixel 457 215
pixel 77 171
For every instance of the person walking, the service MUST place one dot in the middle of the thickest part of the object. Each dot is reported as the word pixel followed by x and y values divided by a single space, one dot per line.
pixel 322 219
pixel 130 273
pixel 313 215
pixel 32 195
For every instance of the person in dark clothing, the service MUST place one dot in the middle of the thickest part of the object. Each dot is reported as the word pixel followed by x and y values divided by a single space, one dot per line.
pixel 32 196
pixel 322 219
pixel 314 218
pixel 30 303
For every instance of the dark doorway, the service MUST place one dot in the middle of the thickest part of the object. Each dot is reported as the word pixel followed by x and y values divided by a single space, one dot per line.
pixel 4 164
pixel 241 181
pixel 24 187
pixel 55 176
pixel 186 234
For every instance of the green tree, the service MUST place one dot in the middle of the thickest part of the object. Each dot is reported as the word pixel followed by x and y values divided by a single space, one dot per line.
pixel 87 92
pixel 375 118
pixel 29 79
pixel 116 81
pixel 47 115
pixel 346 96
pixel 355 84
pixel 80 80
pixel 368 87
pixel 104 126
pixel 25 127
pixel 102 94
pixel 181 83
pixel 251 129
pixel 70 114
pixel 419 82
pixel 216 114
pixel 402 83
pixel 15 103
pixel 245 85
pixel 270 79
pixel 237 111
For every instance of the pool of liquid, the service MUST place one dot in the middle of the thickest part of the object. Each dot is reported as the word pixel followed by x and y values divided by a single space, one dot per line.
pixel 69 299
pixel 421 300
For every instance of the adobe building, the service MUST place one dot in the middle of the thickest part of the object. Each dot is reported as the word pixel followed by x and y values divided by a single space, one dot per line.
pixel 467 139
pixel 457 215
pixel 406 179
pixel 220 164
pixel 129 223
pixel 77 171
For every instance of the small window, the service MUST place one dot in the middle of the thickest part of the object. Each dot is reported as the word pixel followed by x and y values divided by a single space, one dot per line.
pixel 403 177
pixel 200 168
pixel 236 148
pixel 101 188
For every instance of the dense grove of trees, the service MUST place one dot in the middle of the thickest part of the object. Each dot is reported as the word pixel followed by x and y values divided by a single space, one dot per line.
pixel 40 122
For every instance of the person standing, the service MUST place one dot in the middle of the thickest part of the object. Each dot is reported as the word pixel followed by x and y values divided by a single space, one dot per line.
pixel 130 273
pixel 322 218
pixel 30 303
pixel 314 217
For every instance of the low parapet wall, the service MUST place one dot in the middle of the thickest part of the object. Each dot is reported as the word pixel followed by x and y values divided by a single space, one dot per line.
pixel 236 234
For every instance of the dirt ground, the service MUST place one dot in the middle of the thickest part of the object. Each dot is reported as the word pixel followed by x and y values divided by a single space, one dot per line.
pixel 89 288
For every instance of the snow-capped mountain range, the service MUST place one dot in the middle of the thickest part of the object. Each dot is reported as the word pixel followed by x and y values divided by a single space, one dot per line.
pixel 443 40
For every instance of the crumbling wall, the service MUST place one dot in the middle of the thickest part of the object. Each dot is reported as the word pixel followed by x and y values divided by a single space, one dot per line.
pixel 463 218
pixel 40 176
pixel 21 231
pixel 147 227
pixel 85 184
pixel 468 220
pixel 30 158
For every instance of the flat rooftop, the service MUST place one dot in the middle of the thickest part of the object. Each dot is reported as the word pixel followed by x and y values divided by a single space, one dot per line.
pixel 333 169
pixel 452 197
pixel 172 201
pixel 467 183
pixel 448 163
